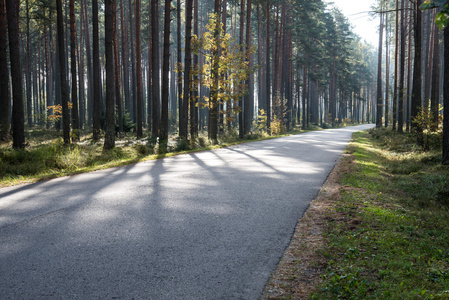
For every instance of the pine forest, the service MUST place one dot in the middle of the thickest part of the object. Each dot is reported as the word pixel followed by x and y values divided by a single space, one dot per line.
pixel 188 70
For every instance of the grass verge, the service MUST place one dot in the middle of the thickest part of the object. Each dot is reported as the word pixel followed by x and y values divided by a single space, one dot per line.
pixel 378 229
pixel 388 235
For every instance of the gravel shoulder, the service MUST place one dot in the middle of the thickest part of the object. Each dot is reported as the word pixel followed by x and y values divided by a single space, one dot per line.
pixel 298 273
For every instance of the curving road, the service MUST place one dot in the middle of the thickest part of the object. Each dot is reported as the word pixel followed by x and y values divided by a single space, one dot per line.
pixel 209 225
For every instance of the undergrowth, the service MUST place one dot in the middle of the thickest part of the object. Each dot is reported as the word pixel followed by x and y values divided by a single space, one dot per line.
pixel 388 237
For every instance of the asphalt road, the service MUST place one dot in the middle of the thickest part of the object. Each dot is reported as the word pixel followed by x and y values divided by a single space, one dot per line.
pixel 209 225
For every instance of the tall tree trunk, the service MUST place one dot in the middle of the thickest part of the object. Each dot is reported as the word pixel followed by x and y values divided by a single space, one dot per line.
pixel 150 71
pixel 379 97
pixel 96 72
pixel 125 58
pixel 402 70
pixel 139 94
pixel 29 105
pixel 195 77
pixel 18 132
pixel 248 105
pixel 90 85
pixel 109 139
pixel 179 62
pixel 118 99
pixel 387 70
pixel 4 76
pixel 435 98
pixel 396 56
pixel 416 106
pixel 75 116
pixel 81 90
pixel 213 102
pixel 241 104
pixel 445 159
pixel 133 65
pixel 63 74
pixel 183 130
pixel 163 136
pixel 155 63
pixel 267 62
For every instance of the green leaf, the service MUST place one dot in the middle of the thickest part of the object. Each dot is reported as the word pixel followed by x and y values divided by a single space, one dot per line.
pixel 442 19
pixel 428 4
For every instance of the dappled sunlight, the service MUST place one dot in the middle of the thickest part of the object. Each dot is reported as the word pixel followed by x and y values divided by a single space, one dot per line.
pixel 146 214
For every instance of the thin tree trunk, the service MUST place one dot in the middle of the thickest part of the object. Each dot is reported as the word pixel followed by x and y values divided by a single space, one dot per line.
pixel 125 58
pixel 155 63
pixel 179 62
pixel 163 136
pixel 183 130
pixel 118 99
pixel 195 77
pixel 139 95
pixel 90 86
pixel 75 116
pixel 445 159
pixel 396 56
pixel 248 103
pixel 267 62
pixel 4 76
pixel 213 104
pixel 241 104
pixel 150 71
pixel 402 70
pixel 417 70
pixel 387 70
pixel 62 74
pixel 96 72
pixel 29 105
pixel 109 139
pixel 435 98
pixel 379 105
pixel 133 65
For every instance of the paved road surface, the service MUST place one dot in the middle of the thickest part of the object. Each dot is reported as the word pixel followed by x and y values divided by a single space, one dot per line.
pixel 209 225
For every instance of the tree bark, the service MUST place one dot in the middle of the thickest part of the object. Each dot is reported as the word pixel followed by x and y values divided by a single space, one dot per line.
pixel 241 102
pixel 248 105
pixel 183 130
pixel 179 62
pixel 163 135
pixel 445 159
pixel 267 62
pixel 416 106
pixel 379 105
pixel 139 94
pixel 213 101
pixel 96 72
pixel 18 131
pixel 402 70
pixel 155 63
pixel 396 56
pixel 109 139
pixel 62 75
pixel 435 97
pixel 125 58
pixel 29 105
pixel 4 76
pixel 75 116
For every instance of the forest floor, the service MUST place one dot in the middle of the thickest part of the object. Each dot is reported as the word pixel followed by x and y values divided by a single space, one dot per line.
pixel 378 228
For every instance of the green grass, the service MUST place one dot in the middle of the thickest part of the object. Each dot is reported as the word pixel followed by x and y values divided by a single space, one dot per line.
pixel 388 237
